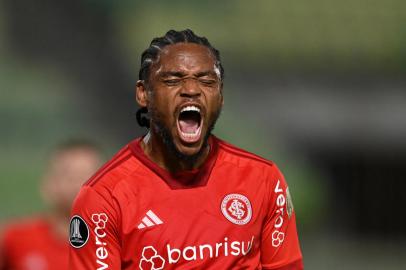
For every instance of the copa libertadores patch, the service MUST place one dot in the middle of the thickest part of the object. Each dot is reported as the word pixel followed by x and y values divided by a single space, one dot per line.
pixel 289 203
pixel 78 232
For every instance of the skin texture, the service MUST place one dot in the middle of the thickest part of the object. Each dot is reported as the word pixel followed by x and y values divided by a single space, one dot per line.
pixel 67 171
pixel 184 74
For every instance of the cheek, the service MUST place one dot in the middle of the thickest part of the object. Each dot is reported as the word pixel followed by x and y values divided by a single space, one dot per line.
pixel 215 103
pixel 161 102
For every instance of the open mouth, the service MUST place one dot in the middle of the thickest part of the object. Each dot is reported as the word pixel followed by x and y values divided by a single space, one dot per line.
pixel 190 124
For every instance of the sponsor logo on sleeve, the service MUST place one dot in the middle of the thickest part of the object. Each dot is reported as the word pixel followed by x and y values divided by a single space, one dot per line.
pixel 236 208
pixel 100 222
pixel 78 232
pixel 278 236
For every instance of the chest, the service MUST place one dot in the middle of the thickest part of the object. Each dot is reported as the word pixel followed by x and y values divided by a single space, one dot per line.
pixel 221 221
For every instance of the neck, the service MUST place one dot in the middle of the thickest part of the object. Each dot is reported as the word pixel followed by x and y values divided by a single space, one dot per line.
pixel 156 150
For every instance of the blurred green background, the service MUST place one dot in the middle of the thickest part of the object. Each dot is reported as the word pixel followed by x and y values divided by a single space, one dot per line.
pixel 317 86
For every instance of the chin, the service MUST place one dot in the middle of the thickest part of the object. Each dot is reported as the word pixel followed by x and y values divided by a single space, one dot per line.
pixel 189 150
pixel 182 149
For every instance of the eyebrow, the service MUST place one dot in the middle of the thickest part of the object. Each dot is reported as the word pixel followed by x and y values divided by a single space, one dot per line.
pixel 172 73
pixel 206 73
pixel 182 74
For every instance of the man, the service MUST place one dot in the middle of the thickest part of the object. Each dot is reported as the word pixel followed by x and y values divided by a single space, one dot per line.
pixel 180 198
pixel 40 243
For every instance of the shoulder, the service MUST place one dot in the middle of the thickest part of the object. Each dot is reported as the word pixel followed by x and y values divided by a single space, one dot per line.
pixel 239 157
pixel 260 174
pixel 108 187
pixel 117 169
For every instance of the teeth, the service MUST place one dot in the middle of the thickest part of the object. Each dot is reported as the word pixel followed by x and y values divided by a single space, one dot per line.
pixel 190 108
pixel 190 135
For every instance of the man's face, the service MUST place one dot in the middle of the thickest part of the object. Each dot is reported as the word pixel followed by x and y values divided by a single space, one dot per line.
pixel 66 173
pixel 185 97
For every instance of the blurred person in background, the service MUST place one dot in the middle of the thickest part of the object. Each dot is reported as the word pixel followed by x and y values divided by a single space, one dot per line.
pixel 39 243
pixel 179 197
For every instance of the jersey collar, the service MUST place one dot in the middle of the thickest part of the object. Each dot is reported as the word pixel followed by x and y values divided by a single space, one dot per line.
pixel 184 179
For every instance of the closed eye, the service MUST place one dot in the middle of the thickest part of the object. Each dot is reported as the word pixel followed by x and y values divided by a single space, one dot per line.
pixel 172 82
pixel 208 82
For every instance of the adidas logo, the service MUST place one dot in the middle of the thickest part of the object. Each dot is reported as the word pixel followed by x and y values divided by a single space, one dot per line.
pixel 149 220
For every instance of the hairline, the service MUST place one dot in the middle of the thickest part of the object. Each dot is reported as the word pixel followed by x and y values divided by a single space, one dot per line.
pixel 166 47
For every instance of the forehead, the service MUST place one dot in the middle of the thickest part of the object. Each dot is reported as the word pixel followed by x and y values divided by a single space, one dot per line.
pixel 185 57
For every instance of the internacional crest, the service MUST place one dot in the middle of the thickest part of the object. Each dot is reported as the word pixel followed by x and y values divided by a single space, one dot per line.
pixel 236 208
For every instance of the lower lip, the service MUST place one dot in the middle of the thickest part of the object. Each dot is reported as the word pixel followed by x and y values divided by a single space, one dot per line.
pixel 189 138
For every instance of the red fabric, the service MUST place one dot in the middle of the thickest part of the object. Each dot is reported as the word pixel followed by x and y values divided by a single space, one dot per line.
pixel 188 227
pixel 185 179
pixel 32 245
pixel 292 266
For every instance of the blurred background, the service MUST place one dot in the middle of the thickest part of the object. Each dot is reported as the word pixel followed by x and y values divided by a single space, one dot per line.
pixel 318 86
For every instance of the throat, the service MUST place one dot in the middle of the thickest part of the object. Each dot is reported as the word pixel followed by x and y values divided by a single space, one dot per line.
pixel 160 149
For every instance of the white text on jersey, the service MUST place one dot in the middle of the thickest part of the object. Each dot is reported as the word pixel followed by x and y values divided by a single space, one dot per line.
pixel 100 220
pixel 201 252
pixel 278 236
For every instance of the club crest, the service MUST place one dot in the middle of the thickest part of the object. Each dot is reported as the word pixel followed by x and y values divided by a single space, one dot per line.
pixel 236 208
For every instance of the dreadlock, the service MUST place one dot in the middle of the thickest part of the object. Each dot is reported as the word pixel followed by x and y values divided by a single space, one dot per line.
pixel 151 54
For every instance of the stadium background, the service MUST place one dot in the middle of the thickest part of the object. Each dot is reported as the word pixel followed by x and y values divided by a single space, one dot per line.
pixel 317 86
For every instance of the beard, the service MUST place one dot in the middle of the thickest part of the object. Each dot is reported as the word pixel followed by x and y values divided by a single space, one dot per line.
pixel 167 138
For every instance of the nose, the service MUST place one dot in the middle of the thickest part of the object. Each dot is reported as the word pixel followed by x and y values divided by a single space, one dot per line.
pixel 190 88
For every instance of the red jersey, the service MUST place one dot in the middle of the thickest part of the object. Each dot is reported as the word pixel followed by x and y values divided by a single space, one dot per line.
pixel 33 245
pixel 234 212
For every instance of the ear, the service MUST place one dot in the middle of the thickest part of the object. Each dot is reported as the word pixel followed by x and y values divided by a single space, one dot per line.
pixel 221 94
pixel 141 94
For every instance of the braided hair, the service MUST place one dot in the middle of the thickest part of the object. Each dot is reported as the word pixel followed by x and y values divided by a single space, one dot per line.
pixel 151 54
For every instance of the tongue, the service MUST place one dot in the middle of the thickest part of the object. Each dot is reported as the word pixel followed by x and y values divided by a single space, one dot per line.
pixel 188 125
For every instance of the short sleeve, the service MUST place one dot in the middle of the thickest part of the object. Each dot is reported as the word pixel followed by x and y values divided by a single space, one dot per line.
pixel 280 249
pixel 93 233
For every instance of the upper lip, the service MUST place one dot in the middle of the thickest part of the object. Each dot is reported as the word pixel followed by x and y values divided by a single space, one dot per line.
pixel 183 105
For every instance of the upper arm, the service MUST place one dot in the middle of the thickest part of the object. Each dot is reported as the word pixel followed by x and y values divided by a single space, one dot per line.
pixel 280 247
pixel 94 234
